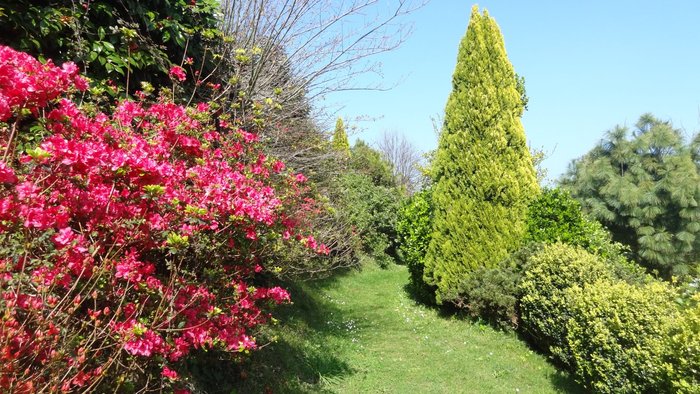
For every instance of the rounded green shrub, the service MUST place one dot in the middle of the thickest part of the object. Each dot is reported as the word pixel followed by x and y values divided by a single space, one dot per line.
pixel 615 335
pixel 544 306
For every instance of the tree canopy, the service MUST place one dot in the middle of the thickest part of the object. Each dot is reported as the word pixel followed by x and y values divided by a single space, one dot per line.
pixel 645 187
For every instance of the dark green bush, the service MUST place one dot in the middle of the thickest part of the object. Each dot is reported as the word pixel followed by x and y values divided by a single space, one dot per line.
pixel 616 335
pixel 413 228
pixel 372 211
pixel 492 294
pixel 544 306
pixel 369 162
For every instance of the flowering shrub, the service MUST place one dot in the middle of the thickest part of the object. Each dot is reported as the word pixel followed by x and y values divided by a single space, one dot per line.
pixel 127 241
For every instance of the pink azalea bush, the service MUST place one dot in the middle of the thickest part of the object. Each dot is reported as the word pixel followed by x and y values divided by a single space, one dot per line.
pixel 131 240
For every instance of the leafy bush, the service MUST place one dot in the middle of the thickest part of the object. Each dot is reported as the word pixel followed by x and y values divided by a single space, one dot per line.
pixel 369 162
pixel 684 350
pixel 111 39
pixel 615 335
pixel 492 294
pixel 129 241
pixel 414 227
pixel 555 216
pixel 544 306
pixel 372 210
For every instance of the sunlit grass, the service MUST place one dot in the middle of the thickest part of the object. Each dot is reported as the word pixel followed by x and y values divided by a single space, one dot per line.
pixel 362 333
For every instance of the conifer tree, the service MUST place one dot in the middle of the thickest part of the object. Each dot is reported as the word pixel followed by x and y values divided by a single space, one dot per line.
pixel 483 172
pixel 645 188
pixel 340 138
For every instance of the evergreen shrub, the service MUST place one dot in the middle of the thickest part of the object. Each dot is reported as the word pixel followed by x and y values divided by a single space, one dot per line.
pixel 616 335
pixel 544 306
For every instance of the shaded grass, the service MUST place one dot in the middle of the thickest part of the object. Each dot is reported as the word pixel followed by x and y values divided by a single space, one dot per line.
pixel 362 333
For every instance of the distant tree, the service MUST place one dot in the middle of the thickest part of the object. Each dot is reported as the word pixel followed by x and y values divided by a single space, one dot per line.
pixel 404 159
pixel 368 161
pixel 340 138
pixel 645 188
pixel 483 173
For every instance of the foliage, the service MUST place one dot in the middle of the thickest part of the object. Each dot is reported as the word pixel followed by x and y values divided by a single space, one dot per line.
pixel 683 349
pixel 132 240
pixel 492 294
pixel 369 162
pixel 644 189
pixel 413 228
pixel 373 211
pixel 555 216
pixel 340 138
pixel 115 43
pixel 616 335
pixel 544 306
pixel 483 174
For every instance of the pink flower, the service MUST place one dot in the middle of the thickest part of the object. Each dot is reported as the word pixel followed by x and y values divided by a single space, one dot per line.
pixel 177 72
pixel 278 294
pixel 7 175
pixel 278 166
pixel 64 237
pixel 169 373
pixel 300 178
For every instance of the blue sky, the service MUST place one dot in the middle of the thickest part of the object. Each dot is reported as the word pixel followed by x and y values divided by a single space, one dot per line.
pixel 588 66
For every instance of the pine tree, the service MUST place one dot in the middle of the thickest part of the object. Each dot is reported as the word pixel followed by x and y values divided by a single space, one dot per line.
pixel 483 172
pixel 645 188
pixel 340 138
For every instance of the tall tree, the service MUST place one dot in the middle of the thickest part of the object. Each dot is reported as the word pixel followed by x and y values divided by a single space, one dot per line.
pixel 483 172
pixel 646 189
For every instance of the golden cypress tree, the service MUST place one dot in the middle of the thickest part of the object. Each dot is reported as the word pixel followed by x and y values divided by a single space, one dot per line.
pixel 483 172
pixel 340 138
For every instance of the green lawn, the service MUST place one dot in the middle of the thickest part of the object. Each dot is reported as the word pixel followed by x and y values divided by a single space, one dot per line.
pixel 362 333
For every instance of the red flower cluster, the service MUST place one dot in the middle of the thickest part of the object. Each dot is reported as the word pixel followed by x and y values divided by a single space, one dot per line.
pixel 129 239
pixel 27 83
pixel 177 72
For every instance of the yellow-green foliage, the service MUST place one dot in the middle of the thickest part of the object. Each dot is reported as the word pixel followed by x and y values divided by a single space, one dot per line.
pixel 616 335
pixel 684 349
pixel 340 139
pixel 483 172
pixel 544 307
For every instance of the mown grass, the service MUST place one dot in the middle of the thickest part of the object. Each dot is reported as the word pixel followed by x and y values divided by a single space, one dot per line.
pixel 361 332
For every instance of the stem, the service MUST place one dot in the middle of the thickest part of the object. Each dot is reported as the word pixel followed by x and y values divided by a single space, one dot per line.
pixel 11 140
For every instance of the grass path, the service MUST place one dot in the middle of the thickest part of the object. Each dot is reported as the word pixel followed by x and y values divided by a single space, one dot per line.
pixel 362 333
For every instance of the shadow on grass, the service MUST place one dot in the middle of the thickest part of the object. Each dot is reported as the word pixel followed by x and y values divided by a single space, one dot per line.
pixel 295 355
